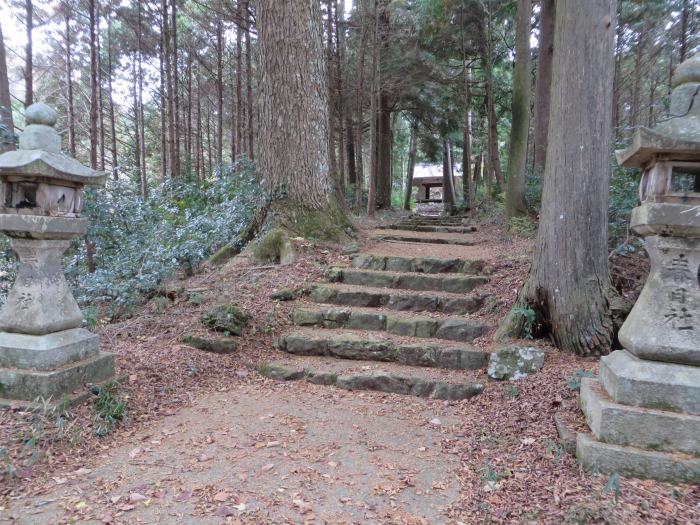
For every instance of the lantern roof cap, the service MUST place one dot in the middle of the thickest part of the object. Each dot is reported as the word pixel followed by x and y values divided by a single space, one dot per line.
pixel 679 135
pixel 39 153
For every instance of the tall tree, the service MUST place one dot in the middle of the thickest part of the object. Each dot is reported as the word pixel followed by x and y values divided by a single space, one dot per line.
pixel 69 81
pixel 487 50
pixel 412 151
pixel 93 83
pixel 569 284
pixel 520 114
pixel 294 95
pixel 5 102
pixel 29 55
pixel 543 82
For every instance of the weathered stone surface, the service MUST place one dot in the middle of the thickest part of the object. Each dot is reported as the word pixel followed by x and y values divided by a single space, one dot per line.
pixel 217 346
pixel 350 248
pixel 412 326
pixel 281 372
pixel 306 317
pixel 664 324
pixel 285 294
pixel 47 352
pixel 637 382
pixel 408 281
pixel 42 227
pixel 425 240
pixel 635 462
pixel 350 346
pixel 40 301
pixel 394 384
pixel 461 329
pixel 226 318
pixel 429 228
pixel 639 427
pixel 353 346
pixel 416 264
pixel 28 385
pixel 367 321
pixel 515 362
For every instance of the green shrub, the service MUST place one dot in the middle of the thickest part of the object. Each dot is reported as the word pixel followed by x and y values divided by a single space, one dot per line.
pixel 108 409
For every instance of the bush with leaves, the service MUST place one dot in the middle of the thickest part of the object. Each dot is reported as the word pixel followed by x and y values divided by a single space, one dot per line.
pixel 138 243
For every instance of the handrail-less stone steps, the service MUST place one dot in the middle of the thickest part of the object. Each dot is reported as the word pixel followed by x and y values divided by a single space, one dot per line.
pixel 382 377
pixel 432 223
pixel 435 218
pixel 403 300
pixel 358 345
pixel 430 228
pixel 398 323
pixel 426 240
pixel 407 281
pixel 368 261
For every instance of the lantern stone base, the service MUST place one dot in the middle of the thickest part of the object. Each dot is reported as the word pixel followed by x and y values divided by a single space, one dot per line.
pixel 650 384
pixel 51 367
pixel 605 458
pixel 651 429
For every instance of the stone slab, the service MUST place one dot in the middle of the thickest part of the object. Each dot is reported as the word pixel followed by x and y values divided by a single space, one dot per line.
pixel 634 462
pixel 29 385
pixel 42 226
pixel 408 281
pixel 650 384
pixel 47 352
pixel 416 264
pixel 351 345
pixel 645 428
pixel 387 378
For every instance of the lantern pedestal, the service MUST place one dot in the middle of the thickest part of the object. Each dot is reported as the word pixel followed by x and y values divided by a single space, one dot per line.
pixel 44 354
pixel 644 411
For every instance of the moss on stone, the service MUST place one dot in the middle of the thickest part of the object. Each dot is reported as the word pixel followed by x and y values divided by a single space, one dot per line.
pixel 269 247
pixel 227 318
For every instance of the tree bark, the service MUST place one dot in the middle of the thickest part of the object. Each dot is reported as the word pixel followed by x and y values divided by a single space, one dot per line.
pixel 359 116
pixel 543 82
pixel 385 142
pixel 93 84
pixel 569 284
pixel 5 102
pixel 69 79
pixel 520 119
pixel 374 120
pixel 100 94
pixel 293 94
pixel 175 144
pixel 332 101
pixel 412 150
pixel 249 83
pixel 683 47
pixel 29 56
pixel 239 80
pixel 494 157
pixel 112 114
pixel 219 93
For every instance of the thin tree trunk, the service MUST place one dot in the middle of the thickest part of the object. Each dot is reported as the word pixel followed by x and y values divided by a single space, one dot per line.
pixel 339 9
pixel 198 132
pixel 494 158
pixel 249 84
pixel 69 79
pixel 374 105
pixel 520 109
pixel 239 80
pixel 360 180
pixel 448 193
pixel 141 121
pixel 543 82
pixel 175 143
pixel 112 117
pixel 412 150
pixel 100 97
pixel 137 127
pixel 637 86
pixel 569 285
pixel 466 139
pixel 685 14
pixel 93 84
pixel 5 102
pixel 209 145
pixel 29 56
pixel 219 93
pixel 164 151
pixel 332 102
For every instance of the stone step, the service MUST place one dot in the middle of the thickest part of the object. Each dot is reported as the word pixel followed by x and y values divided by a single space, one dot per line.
pixel 407 281
pixel 368 261
pixel 351 295
pixel 358 345
pixel 431 223
pixel 382 377
pixel 449 328
pixel 635 426
pixel 606 458
pixel 436 218
pixel 429 228
pixel 426 240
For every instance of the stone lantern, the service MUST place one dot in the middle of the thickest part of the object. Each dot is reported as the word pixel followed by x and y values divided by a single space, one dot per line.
pixel 44 352
pixel 644 411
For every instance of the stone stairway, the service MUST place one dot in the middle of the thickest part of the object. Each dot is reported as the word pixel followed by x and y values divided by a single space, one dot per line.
pixel 394 324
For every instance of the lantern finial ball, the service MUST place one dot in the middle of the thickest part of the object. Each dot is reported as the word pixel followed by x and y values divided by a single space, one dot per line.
pixel 41 113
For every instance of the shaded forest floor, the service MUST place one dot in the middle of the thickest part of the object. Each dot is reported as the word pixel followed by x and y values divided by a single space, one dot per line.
pixel 208 440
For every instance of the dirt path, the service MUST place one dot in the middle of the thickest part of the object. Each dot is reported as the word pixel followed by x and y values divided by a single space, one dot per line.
pixel 208 440
pixel 288 454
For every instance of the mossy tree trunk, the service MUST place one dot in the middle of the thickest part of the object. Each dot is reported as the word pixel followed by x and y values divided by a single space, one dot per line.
pixel 293 111
pixel 569 285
